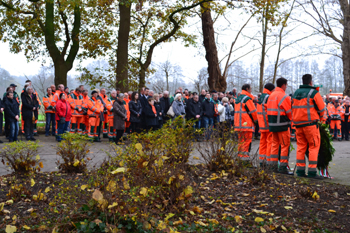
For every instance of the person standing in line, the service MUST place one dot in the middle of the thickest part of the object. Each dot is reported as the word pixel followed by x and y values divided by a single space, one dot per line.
pixel 29 112
pixel 119 113
pixel 135 109
pixel 279 112
pixel 63 115
pixel 165 103
pixel 308 108
pixel 159 111
pixel 245 118
pixel 346 119
pixel 12 112
pixel 208 109
pixel 95 109
pixel 50 113
pixel 266 135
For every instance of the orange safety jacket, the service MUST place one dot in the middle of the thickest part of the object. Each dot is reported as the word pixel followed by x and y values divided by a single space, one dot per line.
pixel 308 106
pixel 47 101
pixel 85 102
pixel 336 113
pixel 279 111
pixel 76 103
pixel 262 111
pixel 56 97
pixel 95 107
pixel 109 107
pixel 245 112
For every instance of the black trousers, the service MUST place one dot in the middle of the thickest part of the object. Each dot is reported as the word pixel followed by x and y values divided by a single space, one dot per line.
pixel 135 127
pixel 1 119
pixel 119 135
pixel 345 129
pixel 28 128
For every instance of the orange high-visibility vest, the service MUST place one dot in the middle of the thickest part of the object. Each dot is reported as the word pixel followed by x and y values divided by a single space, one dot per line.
pixel 308 106
pixel 95 107
pixel 262 111
pixel 47 101
pixel 76 103
pixel 245 112
pixel 279 111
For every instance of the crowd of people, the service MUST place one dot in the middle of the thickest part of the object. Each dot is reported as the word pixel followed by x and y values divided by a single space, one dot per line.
pixel 274 116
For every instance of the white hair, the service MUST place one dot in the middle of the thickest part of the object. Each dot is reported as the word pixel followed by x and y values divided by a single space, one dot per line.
pixel 113 91
pixel 29 87
pixel 121 95
pixel 177 96
pixel 165 92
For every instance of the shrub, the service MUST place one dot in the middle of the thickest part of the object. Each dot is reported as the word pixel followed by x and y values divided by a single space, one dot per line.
pixel 21 156
pixel 73 150
pixel 147 177
pixel 221 151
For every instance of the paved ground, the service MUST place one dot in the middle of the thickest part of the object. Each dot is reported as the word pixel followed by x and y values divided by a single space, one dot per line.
pixel 339 167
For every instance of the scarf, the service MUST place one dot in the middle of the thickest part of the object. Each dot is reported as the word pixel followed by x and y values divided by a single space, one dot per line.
pixel 154 109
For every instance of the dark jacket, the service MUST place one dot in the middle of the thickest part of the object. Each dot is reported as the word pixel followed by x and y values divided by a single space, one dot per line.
pixel 165 103
pixel 11 110
pixel 28 103
pixel 135 108
pixel 201 98
pixel 119 113
pixel 208 108
pixel 151 119
pixel 159 109
pixel 194 109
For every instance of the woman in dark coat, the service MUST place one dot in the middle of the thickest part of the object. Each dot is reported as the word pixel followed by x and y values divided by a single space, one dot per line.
pixel 119 113
pixel 160 111
pixel 29 112
pixel 151 115
pixel 135 109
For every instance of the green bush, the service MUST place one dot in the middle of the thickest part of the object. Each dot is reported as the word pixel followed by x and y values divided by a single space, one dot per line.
pixel 22 157
pixel 73 150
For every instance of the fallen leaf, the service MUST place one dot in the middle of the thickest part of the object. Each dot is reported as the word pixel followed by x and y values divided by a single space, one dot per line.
pixel 195 157
pixel 113 205
pixel 41 164
pixel 168 216
pixel 47 190
pixel 32 182
pixel 76 163
pixel 97 221
pixel 10 229
pixel 112 186
pixel 188 190
pixel 245 194
pixel 2 204
pixel 284 228
pixel 144 191
pixel 238 219
pixel 258 219
pixel 26 227
pixel 83 187
pixel 97 195
pixel 201 223
pixel 192 213
pixel 262 229
pixel 37 157
pixel 214 221
pixel 331 211
pixel 288 207
pixel 118 170
pixel 9 202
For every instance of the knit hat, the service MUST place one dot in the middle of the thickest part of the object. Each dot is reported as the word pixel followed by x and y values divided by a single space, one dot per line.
pixel 269 86
pixel 93 92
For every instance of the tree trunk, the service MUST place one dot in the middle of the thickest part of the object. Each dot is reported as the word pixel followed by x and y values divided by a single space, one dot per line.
pixel 123 45
pixel 167 80
pixel 345 47
pixel 142 77
pixel 263 54
pixel 61 71
pixel 215 80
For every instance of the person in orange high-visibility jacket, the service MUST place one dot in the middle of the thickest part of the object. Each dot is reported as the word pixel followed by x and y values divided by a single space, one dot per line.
pixel 49 112
pixel 76 103
pixel 266 135
pixel 85 101
pixel 111 132
pixel 308 108
pixel 95 108
pixel 104 98
pixel 279 111
pixel 126 105
pixel 336 112
pixel 245 118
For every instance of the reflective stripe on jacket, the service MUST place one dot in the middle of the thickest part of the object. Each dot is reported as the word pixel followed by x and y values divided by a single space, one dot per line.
pixel 279 111
pixel 76 104
pixel 95 107
pixel 47 101
pixel 245 112
pixel 262 111
pixel 308 106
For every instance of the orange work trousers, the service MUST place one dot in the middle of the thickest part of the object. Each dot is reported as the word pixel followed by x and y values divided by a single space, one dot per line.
pixel 333 124
pixel 76 124
pixel 265 146
pixel 94 123
pixel 280 139
pixel 307 136
pixel 245 141
pixel 87 124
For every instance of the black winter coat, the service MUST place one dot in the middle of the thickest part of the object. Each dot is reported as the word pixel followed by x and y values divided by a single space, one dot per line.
pixel 165 106
pixel 159 109
pixel 28 103
pixel 11 110
pixel 201 98
pixel 208 108
pixel 194 109
pixel 150 118
pixel 135 108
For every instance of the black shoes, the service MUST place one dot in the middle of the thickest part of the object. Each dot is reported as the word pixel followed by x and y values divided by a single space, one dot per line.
pixel 1 141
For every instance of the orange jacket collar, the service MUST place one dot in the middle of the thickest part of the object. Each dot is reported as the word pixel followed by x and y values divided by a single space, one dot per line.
pixel 279 89
pixel 247 93
pixel 267 91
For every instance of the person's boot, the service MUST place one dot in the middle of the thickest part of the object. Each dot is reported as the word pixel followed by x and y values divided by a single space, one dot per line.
pixel 301 173
pixel 284 170
pixel 313 175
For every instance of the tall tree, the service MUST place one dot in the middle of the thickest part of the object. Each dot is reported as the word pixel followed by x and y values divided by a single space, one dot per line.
pixel 51 28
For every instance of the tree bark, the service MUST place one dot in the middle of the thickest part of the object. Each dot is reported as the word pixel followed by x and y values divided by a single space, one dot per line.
pixel 61 71
pixel 215 80
pixel 123 45
pixel 263 53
